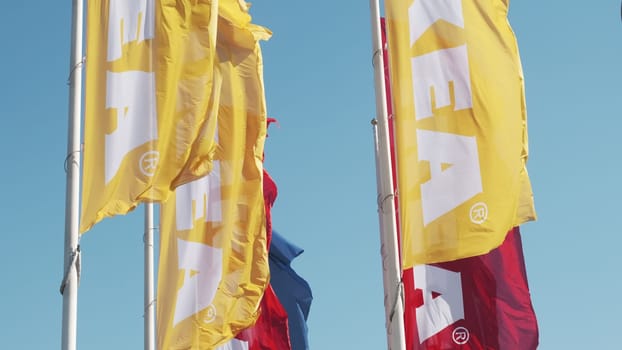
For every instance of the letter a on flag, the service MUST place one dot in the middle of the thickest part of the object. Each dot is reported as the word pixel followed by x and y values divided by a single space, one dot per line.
pixel 149 79
pixel 460 127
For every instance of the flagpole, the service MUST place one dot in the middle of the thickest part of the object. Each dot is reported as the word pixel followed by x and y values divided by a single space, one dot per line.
pixel 393 295
pixel 149 301
pixel 69 287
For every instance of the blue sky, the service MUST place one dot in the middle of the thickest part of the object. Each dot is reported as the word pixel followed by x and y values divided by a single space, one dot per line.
pixel 319 85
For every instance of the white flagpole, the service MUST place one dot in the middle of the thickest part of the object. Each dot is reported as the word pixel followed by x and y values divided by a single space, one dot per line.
pixel 69 287
pixel 149 322
pixel 393 295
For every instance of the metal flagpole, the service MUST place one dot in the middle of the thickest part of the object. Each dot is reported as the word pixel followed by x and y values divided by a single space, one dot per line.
pixel 393 290
pixel 69 286
pixel 149 322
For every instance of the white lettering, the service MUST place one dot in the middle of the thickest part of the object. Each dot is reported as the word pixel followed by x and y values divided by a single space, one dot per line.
pixel 234 344
pixel 438 312
pixel 205 194
pixel 132 94
pixel 454 172
pixel 435 70
pixel 203 272
pixel 423 13
pixel 129 20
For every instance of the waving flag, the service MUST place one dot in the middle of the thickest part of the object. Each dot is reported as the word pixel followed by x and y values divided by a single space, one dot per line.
pixel 149 79
pixel 460 127
pixel 292 290
pixel 475 303
pixel 213 254
pixel 282 323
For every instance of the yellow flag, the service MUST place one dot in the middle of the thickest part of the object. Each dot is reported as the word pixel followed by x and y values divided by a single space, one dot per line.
pixel 213 266
pixel 461 133
pixel 148 82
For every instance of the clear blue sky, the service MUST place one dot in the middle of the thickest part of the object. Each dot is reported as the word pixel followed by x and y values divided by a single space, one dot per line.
pixel 319 84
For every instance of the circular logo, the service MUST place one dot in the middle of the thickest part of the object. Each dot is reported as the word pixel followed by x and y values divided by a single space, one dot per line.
pixel 479 213
pixel 460 335
pixel 148 162
pixel 210 314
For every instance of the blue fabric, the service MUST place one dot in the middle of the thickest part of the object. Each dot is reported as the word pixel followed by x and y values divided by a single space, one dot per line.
pixel 292 290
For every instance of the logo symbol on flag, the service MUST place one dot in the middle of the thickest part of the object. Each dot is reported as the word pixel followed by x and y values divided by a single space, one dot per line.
pixel 479 213
pixel 460 335
pixel 148 162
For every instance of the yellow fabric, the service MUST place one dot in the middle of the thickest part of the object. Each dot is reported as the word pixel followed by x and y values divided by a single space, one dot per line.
pixel 235 30
pixel 174 58
pixel 492 118
pixel 526 205
pixel 237 230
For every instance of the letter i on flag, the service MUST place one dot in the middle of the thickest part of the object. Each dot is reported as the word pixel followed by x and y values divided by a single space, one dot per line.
pixel 460 127
pixel 476 303
pixel 148 82
pixel 213 267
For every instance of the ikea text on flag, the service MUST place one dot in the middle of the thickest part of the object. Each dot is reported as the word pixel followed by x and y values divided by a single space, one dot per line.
pixel 460 127
pixel 148 82
pixel 481 302
pixel 213 267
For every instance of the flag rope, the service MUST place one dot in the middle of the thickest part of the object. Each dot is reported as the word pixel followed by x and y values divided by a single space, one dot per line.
pixel 399 295
pixel 373 64
pixel 153 300
pixel 70 158
pixel 154 229
pixel 382 202
pixel 75 260
pixel 73 69
pixel 149 305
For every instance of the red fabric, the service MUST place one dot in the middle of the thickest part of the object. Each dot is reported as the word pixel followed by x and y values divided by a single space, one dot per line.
pixel 498 313
pixel 271 120
pixel 269 195
pixel 270 332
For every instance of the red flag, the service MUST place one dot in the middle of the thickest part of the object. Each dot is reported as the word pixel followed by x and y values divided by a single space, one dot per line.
pixel 271 331
pixel 269 195
pixel 480 302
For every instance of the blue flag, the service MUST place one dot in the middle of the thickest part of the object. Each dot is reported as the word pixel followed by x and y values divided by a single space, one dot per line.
pixel 292 290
